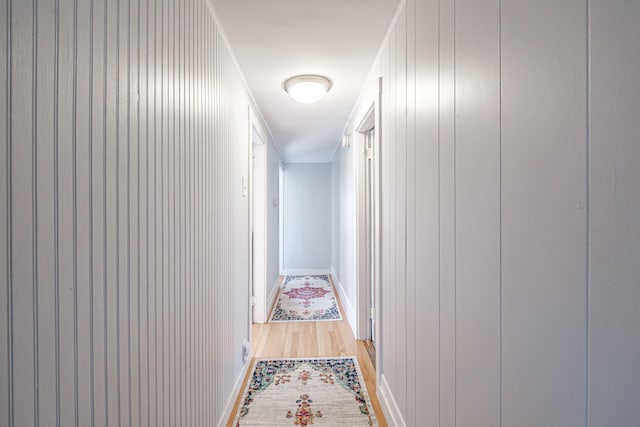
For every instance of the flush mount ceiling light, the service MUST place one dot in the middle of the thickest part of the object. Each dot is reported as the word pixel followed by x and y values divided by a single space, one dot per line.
pixel 307 88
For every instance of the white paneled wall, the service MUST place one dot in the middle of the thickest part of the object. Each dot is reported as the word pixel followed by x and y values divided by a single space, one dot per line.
pixel 343 255
pixel 510 204
pixel 123 230
pixel 614 214
pixel 307 217
pixel 544 222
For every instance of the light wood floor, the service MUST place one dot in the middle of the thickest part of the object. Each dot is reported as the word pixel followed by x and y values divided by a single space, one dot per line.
pixel 312 339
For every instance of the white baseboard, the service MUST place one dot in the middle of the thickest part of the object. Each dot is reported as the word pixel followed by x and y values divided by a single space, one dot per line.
pixel 346 304
pixel 389 404
pixel 237 389
pixel 272 297
pixel 304 272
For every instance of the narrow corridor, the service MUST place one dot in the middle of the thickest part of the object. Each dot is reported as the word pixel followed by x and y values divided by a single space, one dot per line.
pixel 311 339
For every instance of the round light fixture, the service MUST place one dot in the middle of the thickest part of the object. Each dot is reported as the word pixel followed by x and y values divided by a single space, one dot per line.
pixel 307 88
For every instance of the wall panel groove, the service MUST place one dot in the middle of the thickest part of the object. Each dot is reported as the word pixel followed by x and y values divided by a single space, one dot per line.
pixel 6 312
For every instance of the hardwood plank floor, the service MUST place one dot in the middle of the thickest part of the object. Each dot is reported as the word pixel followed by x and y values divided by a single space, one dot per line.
pixel 312 339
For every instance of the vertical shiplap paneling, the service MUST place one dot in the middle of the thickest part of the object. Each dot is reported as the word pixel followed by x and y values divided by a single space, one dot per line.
pixel 427 213
pixel 160 45
pixel 123 178
pixel 123 157
pixel 171 223
pixel 500 214
pixel 217 210
pixel 477 214
pixel 230 177
pixel 98 239
pixel 212 333
pixel 447 203
pixel 75 218
pixel 5 315
pixel 188 307
pixel 134 260
pixel 196 392
pixel 614 226
pixel 143 214
pixel 543 213
pixel 197 396
pixel 400 211
pixel 110 163
pixel 410 168
pixel 203 263
pixel 23 217
pixel 164 210
pixel 82 127
pixel 186 217
pixel 188 200
pixel 45 119
pixel 388 194
pixel 152 208
pixel 65 213
pixel 177 216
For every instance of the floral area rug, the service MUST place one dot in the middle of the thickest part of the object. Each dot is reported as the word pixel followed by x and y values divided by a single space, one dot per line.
pixel 305 392
pixel 306 298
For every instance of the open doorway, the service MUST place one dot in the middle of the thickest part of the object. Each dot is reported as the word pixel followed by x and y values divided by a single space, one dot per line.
pixel 258 268
pixel 264 221
pixel 281 219
pixel 368 235
pixel 370 341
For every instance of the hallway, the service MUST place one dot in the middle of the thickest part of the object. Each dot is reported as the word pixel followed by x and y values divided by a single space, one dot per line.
pixel 311 339
pixel 468 179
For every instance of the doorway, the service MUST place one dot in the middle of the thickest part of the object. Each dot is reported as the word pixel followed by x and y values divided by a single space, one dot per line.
pixel 367 139
pixel 258 203
pixel 368 221
pixel 369 284
pixel 281 219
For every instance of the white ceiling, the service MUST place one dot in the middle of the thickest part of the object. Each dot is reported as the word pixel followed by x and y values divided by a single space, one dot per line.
pixel 276 39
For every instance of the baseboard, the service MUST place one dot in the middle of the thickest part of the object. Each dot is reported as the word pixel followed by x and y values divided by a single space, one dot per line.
pixel 350 313
pixel 237 389
pixel 304 272
pixel 271 299
pixel 389 405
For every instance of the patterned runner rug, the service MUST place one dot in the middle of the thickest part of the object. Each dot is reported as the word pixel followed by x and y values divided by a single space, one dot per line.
pixel 306 298
pixel 304 392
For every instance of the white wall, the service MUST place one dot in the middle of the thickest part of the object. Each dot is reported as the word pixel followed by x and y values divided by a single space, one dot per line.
pixel 307 217
pixel 343 256
pixel 273 234
pixel 614 219
pixel 124 233
pixel 509 213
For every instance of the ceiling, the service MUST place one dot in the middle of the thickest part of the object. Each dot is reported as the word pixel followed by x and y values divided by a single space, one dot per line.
pixel 276 39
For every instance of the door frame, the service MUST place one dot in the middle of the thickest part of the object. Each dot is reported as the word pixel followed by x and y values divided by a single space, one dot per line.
pixel 257 220
pixel 371 118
